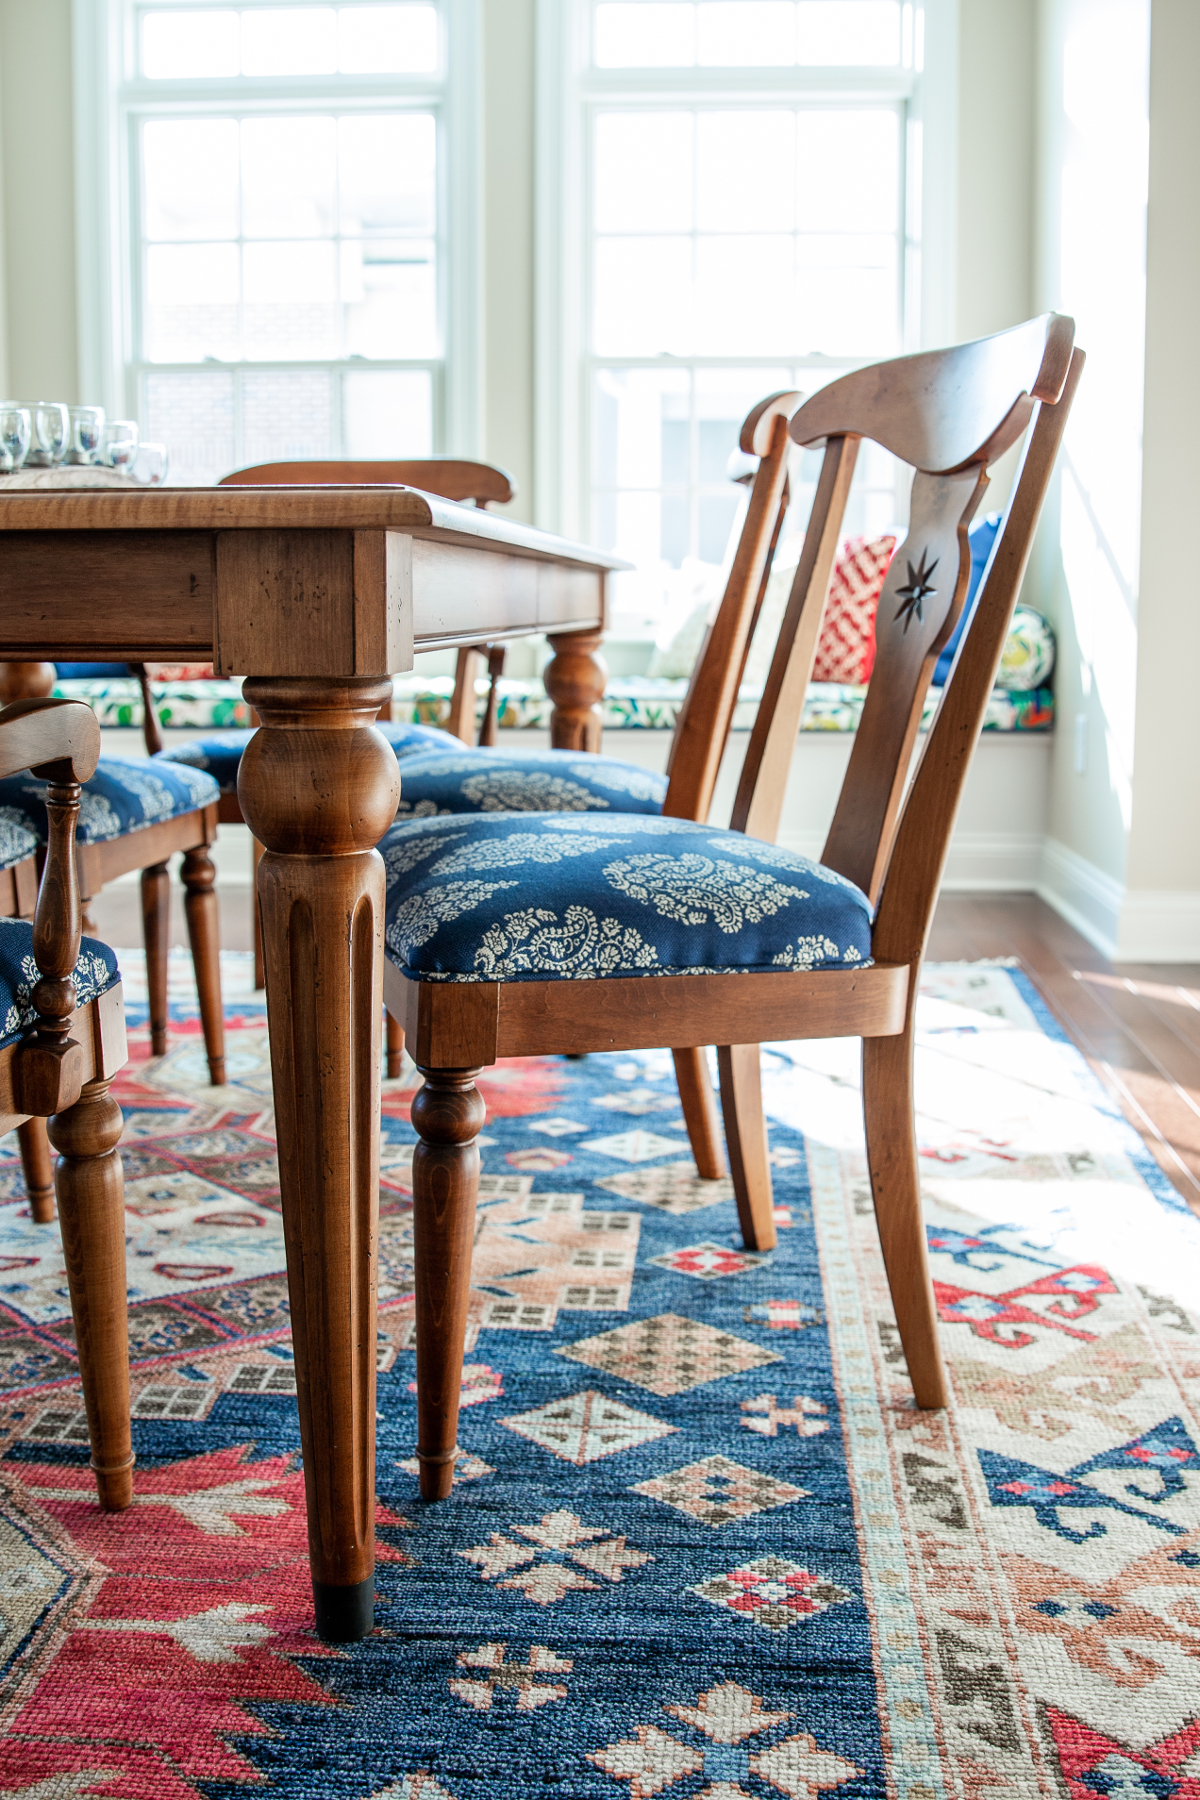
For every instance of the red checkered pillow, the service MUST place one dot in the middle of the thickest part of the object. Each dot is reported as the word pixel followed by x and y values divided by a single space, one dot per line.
pixel 846 647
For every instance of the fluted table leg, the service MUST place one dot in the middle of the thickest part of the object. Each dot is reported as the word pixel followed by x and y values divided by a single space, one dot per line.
pixel 318 788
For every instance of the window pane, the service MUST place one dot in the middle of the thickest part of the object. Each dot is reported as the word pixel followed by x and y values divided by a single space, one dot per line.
pixel 628 147
pixel 286 415
pixel 849 31
pixel 848 170
pixel 384 40
pixel 288 177
pixel 290 301
pixel 637 412
pixel 649 35
pixel 739 33
pixel 191 178
pixel 387 168
pixel 643 303
pixel 191 302
pixel 289 40
pixel 390 296
pixel 193 416
pixel 847 296
pixel 745 171
pixel 181 44
pixel 388 412
pixel 744 296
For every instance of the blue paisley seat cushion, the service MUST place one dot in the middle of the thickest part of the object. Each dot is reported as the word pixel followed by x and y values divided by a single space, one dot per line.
pixel 125 794
pixel 221 754
pixel 95 971
pixel 473 781
pixel 18 839
pixel 568 896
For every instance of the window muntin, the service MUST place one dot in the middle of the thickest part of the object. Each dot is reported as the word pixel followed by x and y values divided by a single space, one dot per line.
pixel 287 234
pixel 747 33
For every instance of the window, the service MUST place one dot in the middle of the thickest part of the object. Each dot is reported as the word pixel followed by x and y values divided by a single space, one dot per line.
pixel 746 186
pixel 278 187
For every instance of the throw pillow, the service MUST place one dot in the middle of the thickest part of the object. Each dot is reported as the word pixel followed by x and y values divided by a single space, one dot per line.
pixel 1027 660
pixel 982 536
pixel 846 646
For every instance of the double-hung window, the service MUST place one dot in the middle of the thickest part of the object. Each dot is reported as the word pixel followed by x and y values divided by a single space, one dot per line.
pixel 737 198
pixel 277 180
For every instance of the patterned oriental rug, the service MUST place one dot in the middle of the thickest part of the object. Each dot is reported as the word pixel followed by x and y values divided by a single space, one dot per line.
pixel 701 1544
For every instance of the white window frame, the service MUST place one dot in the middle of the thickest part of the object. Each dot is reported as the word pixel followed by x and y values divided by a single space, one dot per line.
pixel 107 108
pixel 566 91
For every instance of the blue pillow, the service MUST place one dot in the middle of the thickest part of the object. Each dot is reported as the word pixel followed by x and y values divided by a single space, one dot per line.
pixel 983 536
pixel 90 671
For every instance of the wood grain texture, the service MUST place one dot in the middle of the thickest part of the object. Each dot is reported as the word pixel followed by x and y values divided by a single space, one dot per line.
pixel 91 1207
pixel 156 938
pixel 60 736
pixel 461 720
pixel 318 788
pixel 37 1166
pixel 26 681
pixel 699 1112
pixel 575 678
pixel 447 1115
pixel 83 590
pixel 451 477
pixel 200 907
pixel 49 1065
pixel 746 1136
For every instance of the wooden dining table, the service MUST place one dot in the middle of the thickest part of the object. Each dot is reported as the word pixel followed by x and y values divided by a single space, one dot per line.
pixel 316 596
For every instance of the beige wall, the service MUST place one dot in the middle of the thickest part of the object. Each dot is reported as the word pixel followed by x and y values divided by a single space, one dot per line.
pixel 37 158
pixel 508 249
pixel 997 42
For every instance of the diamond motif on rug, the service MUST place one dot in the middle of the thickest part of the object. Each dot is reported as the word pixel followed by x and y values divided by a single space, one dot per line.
pixel 584 1427
pixel 708 1261
pixel 633 1146
pixel 773 1593
pixel 556 1127
pixel 561 1539
pixel 638 1102
pixel 668 1354
pixel 672 1188
pixel 783 1315
pixel 716 1491
pixel 543 1157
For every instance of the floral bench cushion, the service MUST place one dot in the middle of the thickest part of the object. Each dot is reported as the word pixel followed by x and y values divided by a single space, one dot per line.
pixel 95 971
pixel 562 781
pixel 571 896
pixel 221 755
pixel 125 794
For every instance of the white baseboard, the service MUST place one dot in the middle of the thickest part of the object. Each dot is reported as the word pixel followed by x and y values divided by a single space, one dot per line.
pixel 993 862
pixel 1152 925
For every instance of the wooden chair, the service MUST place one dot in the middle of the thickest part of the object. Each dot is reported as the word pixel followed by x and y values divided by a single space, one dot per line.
pixel 61 1066
pixel 949 414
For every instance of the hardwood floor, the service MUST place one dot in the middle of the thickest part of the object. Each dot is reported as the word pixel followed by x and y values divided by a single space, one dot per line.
pixel 1137 1024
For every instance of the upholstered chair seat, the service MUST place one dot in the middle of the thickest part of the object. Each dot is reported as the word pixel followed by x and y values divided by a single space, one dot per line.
pixel 572 896
pixel 550 781
pixel 124 795
pixel 95 972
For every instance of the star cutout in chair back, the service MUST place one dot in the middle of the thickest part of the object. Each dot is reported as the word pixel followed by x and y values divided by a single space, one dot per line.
pixel 916 589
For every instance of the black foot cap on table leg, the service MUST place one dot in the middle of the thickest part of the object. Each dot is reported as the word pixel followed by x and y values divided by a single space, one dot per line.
pixel 345 1614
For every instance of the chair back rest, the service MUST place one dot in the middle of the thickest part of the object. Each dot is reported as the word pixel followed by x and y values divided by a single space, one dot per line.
pixel 949 413
pixel 449 477
pixel 704 719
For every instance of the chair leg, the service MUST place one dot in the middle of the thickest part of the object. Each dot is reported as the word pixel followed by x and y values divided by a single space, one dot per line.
pixel 896 1186
pixel 395 1045
pixel 204 933
pixel 91 1207
pixel 746 1137
pixel 156 935
pixel 448 1114
pixel 38 1169
pixel 700 1112
pixel 256 852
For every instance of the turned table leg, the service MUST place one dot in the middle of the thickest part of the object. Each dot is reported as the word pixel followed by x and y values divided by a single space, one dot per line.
pixel 318 788
pixel 575 678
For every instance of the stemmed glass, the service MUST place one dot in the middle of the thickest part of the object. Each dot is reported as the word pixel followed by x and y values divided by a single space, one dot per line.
pixel 49 431
pixel 120 443
pixel 15 426
pixel 87 433
pixel 150 464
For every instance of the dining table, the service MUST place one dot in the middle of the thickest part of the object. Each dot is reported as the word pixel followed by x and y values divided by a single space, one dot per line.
pixel 316 597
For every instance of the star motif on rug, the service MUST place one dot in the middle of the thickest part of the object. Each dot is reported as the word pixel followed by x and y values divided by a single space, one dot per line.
pixel 708 1261
pixel 916 590
pixel 499 1675
pixel 546 1572
pixel 727 1716
pixel 716 1490
pixel 772 1593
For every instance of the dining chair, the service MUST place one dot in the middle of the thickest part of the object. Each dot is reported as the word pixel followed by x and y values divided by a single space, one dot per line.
pixel 62 1040
pixel 513 935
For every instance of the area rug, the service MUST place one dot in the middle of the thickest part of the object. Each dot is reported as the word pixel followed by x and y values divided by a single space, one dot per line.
pixel 700 1543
